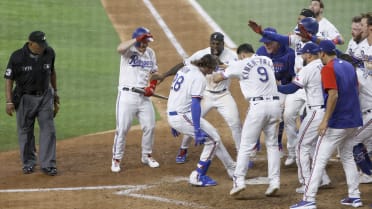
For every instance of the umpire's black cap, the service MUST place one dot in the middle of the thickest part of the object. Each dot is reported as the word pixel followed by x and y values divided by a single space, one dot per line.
pixel 38 37
pixel 217 36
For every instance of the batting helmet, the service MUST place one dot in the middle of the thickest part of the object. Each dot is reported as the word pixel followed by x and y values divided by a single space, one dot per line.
pixel 310 24
pixel 140 31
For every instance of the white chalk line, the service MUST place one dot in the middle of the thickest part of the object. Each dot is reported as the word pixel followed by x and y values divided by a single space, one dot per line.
pixel 127 190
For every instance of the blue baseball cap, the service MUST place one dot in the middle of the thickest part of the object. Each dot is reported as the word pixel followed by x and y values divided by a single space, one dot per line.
pixel 309 48
pixel 327 46
pixel 270 30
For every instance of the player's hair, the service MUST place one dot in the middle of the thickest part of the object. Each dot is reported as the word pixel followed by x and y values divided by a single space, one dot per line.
pixel 320 2
pixel 356 19
pixel 208 61
pixel 245 48
pixel 368 16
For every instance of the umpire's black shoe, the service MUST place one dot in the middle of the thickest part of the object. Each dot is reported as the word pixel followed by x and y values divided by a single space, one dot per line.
pixel 27 169
pixel 50 171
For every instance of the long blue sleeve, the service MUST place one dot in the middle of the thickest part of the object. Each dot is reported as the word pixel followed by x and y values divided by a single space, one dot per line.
pixel 195 112
pixel 288 88
pixel 283 40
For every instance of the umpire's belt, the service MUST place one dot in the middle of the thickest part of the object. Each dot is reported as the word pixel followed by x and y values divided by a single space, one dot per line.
pixel 34 93
pixel 316 107
pixel 367 111
pixel 217 92
pixel 264 98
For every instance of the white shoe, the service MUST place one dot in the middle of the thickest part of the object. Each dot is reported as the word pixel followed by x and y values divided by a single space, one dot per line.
pixel 365 179
pixel 290 161
pixel 237 189
pixel 150 161
pixel 115 166
pixel 272 190
pixel 301 189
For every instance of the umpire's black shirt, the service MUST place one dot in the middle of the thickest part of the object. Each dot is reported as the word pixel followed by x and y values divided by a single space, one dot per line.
pixel 31 71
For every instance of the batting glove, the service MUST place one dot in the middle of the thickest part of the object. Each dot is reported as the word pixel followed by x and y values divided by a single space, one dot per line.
pixel 200 137
pixel 255 27
pixel 175 133
pixel 304 34
pixel 144 37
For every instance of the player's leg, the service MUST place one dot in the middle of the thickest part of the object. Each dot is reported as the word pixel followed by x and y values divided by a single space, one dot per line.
pixel 126 108
pixel 146 117
pixel 181 157
pixel 273 112
pixel 293 105
pixel 350 168
pixel 251 131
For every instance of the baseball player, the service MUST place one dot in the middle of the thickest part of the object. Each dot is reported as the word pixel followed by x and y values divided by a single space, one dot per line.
pixel 258 85
pixel 356 35
pixel 184 115
pixel 326 29
pixel 309 80
pixel 340 84
pixel 364 53
pixel 137 63
pixel 216 95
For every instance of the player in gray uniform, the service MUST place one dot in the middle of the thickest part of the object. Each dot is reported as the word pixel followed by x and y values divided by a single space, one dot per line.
pixel 258 85
pixel 184 114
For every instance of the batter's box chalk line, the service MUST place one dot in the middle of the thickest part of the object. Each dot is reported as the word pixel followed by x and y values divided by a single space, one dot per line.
pixel 131 192
pixel 257 180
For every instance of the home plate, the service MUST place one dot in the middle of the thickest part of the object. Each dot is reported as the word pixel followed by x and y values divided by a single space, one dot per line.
pixel 257 180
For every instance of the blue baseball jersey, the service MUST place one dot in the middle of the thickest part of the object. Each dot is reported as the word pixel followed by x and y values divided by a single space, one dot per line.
pixel 340 75
pixel 283 60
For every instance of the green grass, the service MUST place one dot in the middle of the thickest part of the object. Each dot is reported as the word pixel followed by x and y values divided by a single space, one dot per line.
pixel 87 63
pixel 233 16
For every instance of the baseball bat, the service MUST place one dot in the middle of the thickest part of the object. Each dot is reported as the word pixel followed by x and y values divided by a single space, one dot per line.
pixel 141 91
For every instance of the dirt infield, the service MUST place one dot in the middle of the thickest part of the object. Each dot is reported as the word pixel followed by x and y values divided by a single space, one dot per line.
pixel 85 179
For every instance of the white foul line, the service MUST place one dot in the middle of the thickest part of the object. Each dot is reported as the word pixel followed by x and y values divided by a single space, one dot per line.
pixel 166 29
pixel 67 189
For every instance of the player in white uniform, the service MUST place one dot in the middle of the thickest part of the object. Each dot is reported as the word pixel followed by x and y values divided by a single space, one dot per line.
pixel 326 29
pixel 356 35
pixel 184 111
pixel 364 53
pixel 308 79
pixel 258 85
pixel 137 63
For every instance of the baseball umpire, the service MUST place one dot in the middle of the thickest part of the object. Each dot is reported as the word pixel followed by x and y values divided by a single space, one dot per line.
pixel 32 70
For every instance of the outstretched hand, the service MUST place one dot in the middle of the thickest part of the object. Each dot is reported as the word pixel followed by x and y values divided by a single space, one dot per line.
pixel 143 37
pixel 255 27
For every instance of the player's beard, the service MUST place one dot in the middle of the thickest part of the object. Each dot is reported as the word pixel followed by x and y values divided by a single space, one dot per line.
pixel 304 63
pixel 358 38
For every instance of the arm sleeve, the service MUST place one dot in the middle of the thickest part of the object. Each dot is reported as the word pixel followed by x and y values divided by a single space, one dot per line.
pixel 288 89
pixel 328 78
pixel 284 40
pixel 195 112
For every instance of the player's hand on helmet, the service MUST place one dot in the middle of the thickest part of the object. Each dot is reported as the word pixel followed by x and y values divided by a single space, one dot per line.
pixel 175 133
pixel 200 137
pixel 143 37
pixel 303 32
pixel 255 27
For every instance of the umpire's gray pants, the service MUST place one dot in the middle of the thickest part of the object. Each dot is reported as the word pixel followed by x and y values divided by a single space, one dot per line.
pixel 30 108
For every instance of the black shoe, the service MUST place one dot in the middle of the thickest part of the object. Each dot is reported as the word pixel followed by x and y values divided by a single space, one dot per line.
pixel 50 171
pixel 27 169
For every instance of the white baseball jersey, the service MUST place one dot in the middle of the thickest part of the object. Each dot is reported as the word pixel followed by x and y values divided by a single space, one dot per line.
pixel 257 77
pixel 327 30
pixel 226 57
pixel 136 67
pixel 351 47
pixel 189 82
pixel 364 52
pixel 309 78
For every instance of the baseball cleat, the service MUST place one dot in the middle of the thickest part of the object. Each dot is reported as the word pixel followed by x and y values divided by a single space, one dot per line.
pixel 202 181
pixel 150 161
pixel 304 205
pixel 237 189
pixel 290 161
pixel 115 165
pixel 28 169
pixel 271 190
pixel 181 156
pixel 50 171
pixel 355 202
pixel 365 179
